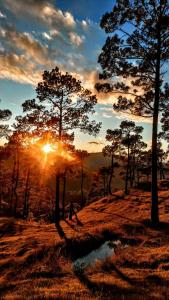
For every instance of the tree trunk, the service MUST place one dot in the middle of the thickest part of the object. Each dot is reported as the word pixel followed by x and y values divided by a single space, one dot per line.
pixel 57 194
pixel 26 196
pixel 138 176
pixel 63 195
pixel 82 181
pixel 12 185
pixel 16 186
pixel 127 171
pixel 162 175
pixel 57 200
pixel 71 211
pixel 154 195
pixel 104 184
pixel 111 174
pixel 154 204
pixel 133 174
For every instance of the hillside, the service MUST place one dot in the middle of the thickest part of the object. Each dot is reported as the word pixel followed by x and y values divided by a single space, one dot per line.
pixel 36 259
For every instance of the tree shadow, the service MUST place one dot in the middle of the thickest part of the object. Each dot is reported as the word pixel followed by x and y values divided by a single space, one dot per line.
pixel 70 225
pixel 112 267
pixel 46 275
pixel 61 232
pixel 116 215
pixel 78 221
pixel 6 288
pixel 162 226
pixel 107 290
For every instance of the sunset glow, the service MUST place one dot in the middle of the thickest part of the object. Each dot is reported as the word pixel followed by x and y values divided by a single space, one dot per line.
pixel 47 148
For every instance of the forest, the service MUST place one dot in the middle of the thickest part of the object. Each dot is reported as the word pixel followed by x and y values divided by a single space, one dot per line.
pixel 77 223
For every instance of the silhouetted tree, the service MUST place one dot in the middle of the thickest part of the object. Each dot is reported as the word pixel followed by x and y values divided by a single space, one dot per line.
pixel 15 145
pixel 162 157
pixel 5 115
pixel 138 50
pixel 104 174
pixel 62 105
pixel 82 154
pixel 113 136
pixel 68 170
pixel 26 195
pixel 4 174
pixel 130 139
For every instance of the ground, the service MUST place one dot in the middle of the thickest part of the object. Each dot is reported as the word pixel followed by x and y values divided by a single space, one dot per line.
pixel 36 259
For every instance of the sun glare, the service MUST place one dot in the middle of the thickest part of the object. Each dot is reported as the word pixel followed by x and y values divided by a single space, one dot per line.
pixel 47 148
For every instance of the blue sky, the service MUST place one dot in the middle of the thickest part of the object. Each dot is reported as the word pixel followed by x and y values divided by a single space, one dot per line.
pixel 38 35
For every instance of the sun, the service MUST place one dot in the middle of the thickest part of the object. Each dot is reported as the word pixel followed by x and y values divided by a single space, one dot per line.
pixel 47 148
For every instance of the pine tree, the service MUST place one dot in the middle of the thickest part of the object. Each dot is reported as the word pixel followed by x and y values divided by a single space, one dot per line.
pixel 62 105
pixel 113 136
pixel 82 154
pixel 5 115
pixel 130 139
pixel 137 51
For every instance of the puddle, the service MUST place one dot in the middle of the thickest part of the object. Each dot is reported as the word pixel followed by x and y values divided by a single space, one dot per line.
pixel 104 251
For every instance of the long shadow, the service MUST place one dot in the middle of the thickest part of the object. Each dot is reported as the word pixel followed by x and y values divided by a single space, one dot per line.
pixel 70 225
pixel 117 215
pixel 108 291
pixel 46 275
pixel 4 289
pixel 61 232
pixel 162 226
pixel 69 248
pixel 124 277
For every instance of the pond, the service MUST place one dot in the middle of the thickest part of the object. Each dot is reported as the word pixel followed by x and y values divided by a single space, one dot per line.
pixel 106 250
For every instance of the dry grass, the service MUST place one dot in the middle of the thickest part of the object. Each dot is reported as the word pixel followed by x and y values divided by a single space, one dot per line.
pixel 36 259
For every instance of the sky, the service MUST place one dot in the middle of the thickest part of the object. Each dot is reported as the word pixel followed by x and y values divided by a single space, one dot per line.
pixel 37 35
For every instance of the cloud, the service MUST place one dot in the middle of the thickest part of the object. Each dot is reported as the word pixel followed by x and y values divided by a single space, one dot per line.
pixel 58 39
pixel 26 8
pixel 11 69
pixel 76 39
pixel 54 33
pixel 106 116
pixel 2 15
pixel 43 11
pixel 60 43
pixel 95 143
pixel 109 109
pixel 60 26
pixel 31 47
pixel 55 17
pixel 137 119
pixel 90 78
pixel 84 24
pixel 46 36
pixel 109 112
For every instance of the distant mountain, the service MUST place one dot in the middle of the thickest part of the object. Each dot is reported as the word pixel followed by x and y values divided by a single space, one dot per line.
pixel 95 161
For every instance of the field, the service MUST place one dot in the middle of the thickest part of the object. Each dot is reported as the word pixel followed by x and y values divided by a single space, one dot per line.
pixel 36 259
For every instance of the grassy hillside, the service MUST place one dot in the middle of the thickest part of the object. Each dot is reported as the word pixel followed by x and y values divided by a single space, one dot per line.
pixel 36 259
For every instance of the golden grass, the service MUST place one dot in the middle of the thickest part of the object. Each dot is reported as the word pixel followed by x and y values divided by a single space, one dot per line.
pixel 36 259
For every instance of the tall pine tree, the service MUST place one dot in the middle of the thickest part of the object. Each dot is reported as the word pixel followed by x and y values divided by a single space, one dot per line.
pixel 137 52
pixel 62 105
